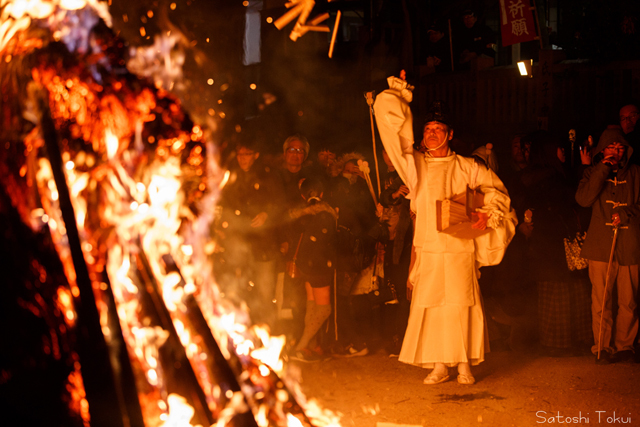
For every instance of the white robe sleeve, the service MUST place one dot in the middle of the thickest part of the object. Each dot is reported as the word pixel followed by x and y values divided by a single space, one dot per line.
pixel 490 247
pixel 395 125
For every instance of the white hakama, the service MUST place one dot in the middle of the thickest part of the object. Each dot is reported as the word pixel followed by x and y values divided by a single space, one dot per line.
pixel 449 334
pixel 446 321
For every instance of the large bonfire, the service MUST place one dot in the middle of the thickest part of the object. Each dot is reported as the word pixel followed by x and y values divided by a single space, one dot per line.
pixel 110 166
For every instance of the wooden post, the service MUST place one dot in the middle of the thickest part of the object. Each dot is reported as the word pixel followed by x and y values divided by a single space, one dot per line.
pixel 105 407
pixel 451 44
pixel 369 96
pixel 535 10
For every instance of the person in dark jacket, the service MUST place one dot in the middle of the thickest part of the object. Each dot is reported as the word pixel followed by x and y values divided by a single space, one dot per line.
pixel 249 209
pixel 611 187
pixel 437 51
pixel 290 175
pixel 315 258
pixel 474 39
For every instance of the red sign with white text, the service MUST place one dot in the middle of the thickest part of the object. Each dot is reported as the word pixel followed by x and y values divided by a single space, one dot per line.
pixel 516 21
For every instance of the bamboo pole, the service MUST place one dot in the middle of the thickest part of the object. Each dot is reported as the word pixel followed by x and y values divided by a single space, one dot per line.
pixel 369 96
pixel 335 299
pixel 535 9
pixel 367 178
pixel 606 285
pixel 318 19
pixel 335 33
pixel 451 45
pixel 282 22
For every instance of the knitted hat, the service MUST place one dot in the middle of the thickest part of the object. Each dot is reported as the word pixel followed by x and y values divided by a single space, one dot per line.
pixel 609 136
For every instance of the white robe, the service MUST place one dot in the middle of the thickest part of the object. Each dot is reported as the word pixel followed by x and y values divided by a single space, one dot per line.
pixel 446 321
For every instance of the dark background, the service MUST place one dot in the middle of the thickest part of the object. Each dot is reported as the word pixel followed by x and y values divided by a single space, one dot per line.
pixel 323 98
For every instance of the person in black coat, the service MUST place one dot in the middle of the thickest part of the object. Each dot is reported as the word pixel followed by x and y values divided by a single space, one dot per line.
pixel 437 50
pixel 249 211
pixel 315 258
pixel 474 39
pixel 611 187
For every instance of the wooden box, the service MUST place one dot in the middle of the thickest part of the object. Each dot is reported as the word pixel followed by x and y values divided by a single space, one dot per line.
pixel 454 216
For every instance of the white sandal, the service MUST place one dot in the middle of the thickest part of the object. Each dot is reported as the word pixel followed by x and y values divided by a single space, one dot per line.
pixel 466 379
pixel 436 378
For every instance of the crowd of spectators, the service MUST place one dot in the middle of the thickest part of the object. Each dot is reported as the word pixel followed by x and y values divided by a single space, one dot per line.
pixel 299 239
pixel 562 188
pixel 321 255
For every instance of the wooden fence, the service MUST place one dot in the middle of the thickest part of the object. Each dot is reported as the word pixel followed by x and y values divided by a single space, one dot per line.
pixel 497 102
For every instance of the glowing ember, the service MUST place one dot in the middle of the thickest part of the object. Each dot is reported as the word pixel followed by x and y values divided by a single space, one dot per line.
pixel 65 305
pixel 180 412
pixel 78 402
pixel 112 144
pixel 269 353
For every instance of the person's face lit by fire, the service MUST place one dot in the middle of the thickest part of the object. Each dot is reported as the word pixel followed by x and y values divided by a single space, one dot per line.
pixel 516 150
pixel 326 158
pixel 351 171
pixel 526 151
pixel 246 157
pixel 436 138
pixel 435 36
pixel 294 156
pixel 520 152
pixel 628 117
pixel 469 20
pixel 613 154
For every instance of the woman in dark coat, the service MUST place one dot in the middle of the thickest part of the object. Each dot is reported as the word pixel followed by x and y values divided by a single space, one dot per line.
pixel 315 258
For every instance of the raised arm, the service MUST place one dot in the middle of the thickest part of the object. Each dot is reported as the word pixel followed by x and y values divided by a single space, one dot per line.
pixel 395 125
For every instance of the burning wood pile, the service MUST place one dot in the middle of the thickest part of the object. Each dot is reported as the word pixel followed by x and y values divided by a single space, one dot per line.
pixel 112 168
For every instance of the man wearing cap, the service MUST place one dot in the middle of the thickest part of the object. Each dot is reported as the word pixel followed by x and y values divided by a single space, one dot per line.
pixel 446 322
pixel 611 187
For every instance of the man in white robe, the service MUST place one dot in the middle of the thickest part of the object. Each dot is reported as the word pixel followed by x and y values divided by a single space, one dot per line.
pixel 446 323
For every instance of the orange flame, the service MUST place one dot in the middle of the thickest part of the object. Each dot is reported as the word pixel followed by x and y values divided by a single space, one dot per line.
pixel 129 203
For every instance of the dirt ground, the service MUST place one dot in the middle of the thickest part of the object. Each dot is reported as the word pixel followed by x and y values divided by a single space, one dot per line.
pixel 512 389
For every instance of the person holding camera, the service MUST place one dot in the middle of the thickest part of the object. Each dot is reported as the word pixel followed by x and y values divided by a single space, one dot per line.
pixel 611 187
